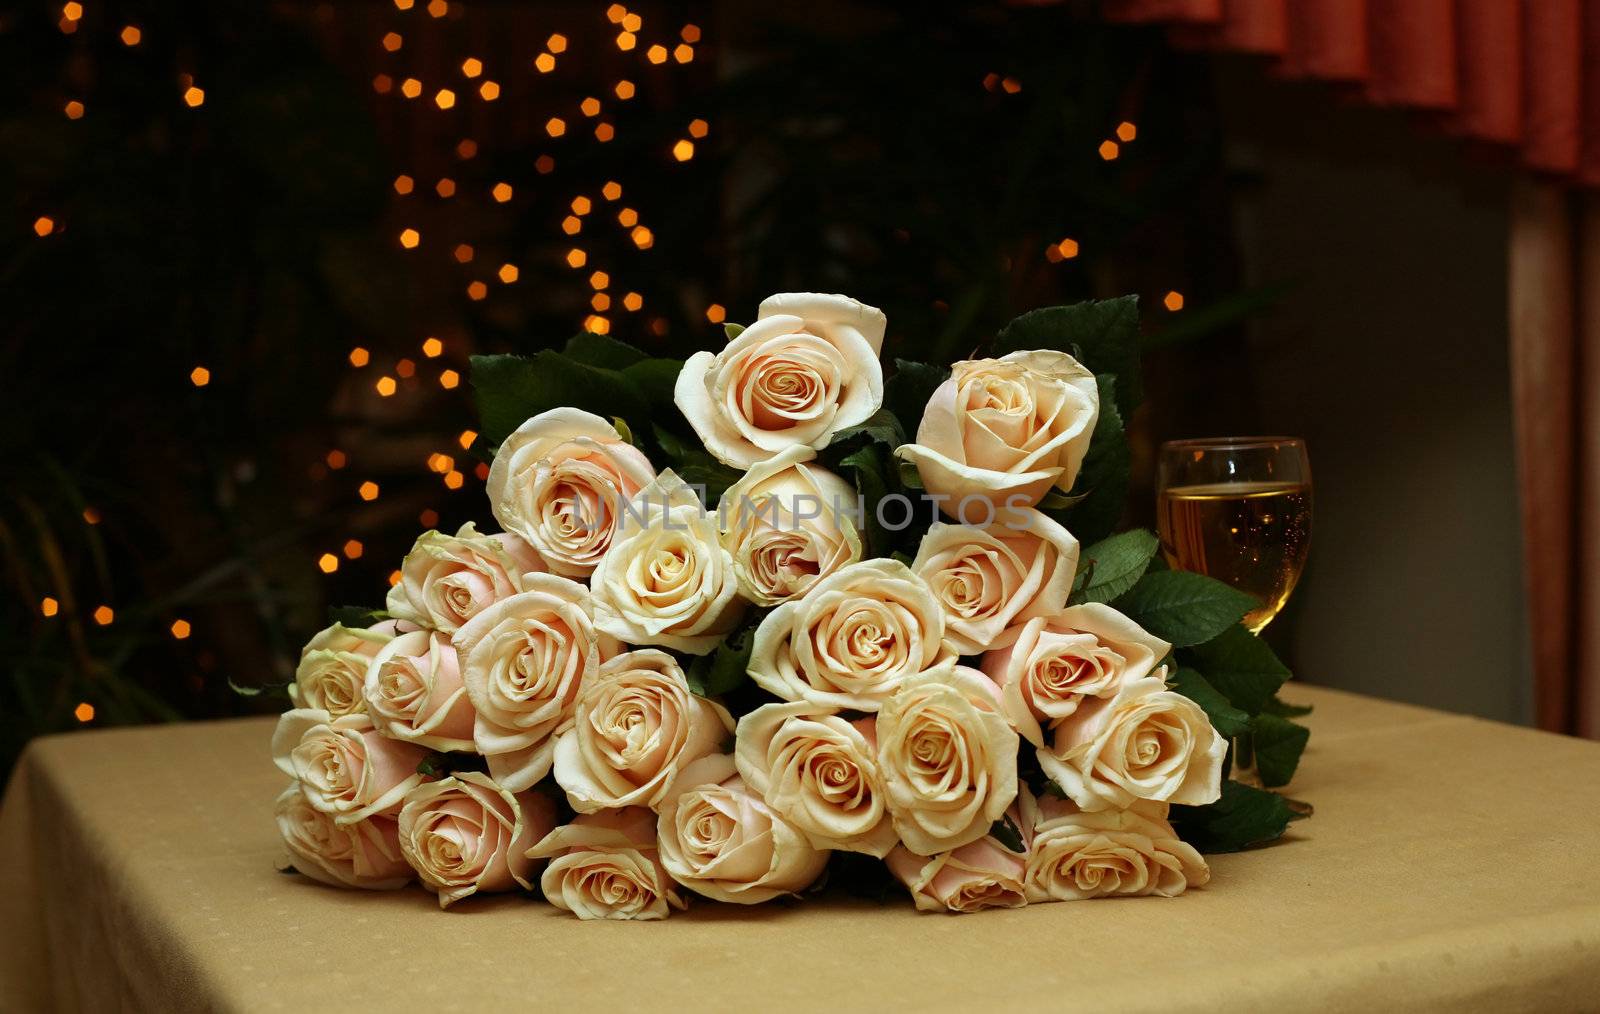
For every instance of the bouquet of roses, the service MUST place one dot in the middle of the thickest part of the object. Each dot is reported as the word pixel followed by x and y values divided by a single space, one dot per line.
pixel 738 634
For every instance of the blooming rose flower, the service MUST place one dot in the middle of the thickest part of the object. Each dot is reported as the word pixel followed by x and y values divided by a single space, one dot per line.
pixel 636 725
pixel 978 875
pixel 364 854
pixel 949 759
pixel 605 866
pixel 1076 855
pixel 344 765
pixel 853 639
pixel 1146 743
pixel 1005 430
pixel 559 482
pixel 787 524
pixel 667 580
pixel 1048 665
pixel 466 835
pixel 333 667
pixel 446 580
pixel 987 578
pixel 719 839
pixel 806 369
pixel 414 692
pixel 819 772
pixel 523 660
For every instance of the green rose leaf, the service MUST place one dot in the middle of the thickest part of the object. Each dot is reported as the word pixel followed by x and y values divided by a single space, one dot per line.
pixel 1115 564
pixel 1103 335
pixel 1100 493
pixel 1186 609
pixel 724 669
pixel 882 427
pixel 600 350
pixel 732 330
pixel 1225 718
pixel 906 392
pixel 866 467
pixel 356 617
pixel 1278 745
pixel 1007 834
pixel 1240 665
pixel 656 379
pixel 511 389
pixel 1285 710
pixel 1245 816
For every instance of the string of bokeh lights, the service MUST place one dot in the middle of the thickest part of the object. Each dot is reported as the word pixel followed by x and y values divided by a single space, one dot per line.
pixel 584 212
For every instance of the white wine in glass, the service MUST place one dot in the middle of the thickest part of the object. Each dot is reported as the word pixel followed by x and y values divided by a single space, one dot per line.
pixel 1237 509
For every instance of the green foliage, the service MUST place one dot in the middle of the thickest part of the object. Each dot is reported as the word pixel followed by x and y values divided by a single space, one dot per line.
pixel 1006 833
pixel 907 391
pixel 1240 665
pixel 1185 608
pixel 724 669
pixel 1112 566
pixel 1103 335
pixel 1245 816
pixel 356 617
pixel 1278 744
pixel 1227 719
pixel 1099 496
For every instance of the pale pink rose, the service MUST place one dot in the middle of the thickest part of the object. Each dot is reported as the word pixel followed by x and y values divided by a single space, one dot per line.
pixel 344 765
pixel 667 580
pixel 853 639
pixel 978 875
pixel 466 835
pixel 559 482
pixel 1049 665
pixel 414 692
pixel 636 725
pixel 719 839
pixel 446 580
pixel 787 524
pixel 333 666
pixel 1017 566
pixel 1075 854
pixel 1147 742
pixel 365 854
pixel 806 369
pixel 948 758
pixel 1005 430
pixel 605 866
pixel 820 773
pixel 524 659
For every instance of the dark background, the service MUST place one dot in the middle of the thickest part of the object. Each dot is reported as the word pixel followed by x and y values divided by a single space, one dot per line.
pixel 930 160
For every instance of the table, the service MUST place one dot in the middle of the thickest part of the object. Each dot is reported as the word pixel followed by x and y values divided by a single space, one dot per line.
pixel 1451 861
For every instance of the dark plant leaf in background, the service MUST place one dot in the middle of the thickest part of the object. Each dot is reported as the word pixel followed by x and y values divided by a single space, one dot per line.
pixel 1114 564
pixel 1185 609
pixel 1245 816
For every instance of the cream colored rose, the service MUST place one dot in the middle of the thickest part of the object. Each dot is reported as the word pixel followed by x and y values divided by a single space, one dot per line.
pixel 414 692
pixel 344 765
pixel 787 524
pixel 720 839
pixel 333 667
pixel 1048 665
pixel 819 772
pixel 1107 853
pixel 446 580
pixel 365 854
pixel 466 835
pixel 987 578
pixel 524 659
pixel 635 726
pixel 559 482
pixel 949 759
pixel 978 875
pixel 1146 743
pixel 605 866
pixel 1005 430
pixel 853 639
pixel 667 580
pixel 806 369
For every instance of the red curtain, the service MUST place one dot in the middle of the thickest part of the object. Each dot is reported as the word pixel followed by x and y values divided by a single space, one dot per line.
pixel 1519 73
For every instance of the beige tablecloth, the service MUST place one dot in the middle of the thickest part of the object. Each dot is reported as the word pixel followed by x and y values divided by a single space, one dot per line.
pixel 1451 861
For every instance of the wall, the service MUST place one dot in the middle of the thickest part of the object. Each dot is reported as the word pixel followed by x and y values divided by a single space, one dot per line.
pixel 1389 356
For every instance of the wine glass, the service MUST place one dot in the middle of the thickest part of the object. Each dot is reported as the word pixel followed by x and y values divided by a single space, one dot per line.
pixel 1237 509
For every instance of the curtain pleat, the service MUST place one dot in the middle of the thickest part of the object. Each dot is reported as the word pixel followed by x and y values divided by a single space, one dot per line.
pixel 1519 73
